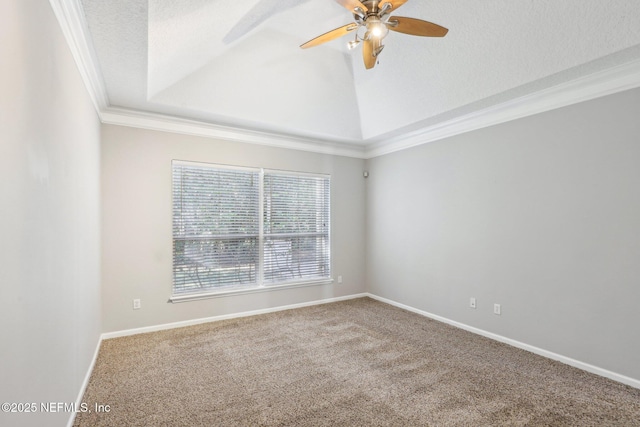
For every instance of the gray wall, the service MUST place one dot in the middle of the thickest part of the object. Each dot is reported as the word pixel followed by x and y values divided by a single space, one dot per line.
pixel 137 224
pixel 49 205
pixel 540 215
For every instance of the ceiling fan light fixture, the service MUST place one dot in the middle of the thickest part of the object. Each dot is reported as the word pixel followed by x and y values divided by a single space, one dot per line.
pixel 376 28
pixel 372 24
pixel 377 31
pixel 353 44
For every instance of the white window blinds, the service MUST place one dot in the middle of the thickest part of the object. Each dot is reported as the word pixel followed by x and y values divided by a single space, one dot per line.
pixel 296 227
pixel 245 228
pixel 215 227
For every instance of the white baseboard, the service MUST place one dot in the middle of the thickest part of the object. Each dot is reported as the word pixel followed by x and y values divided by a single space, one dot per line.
pixel 85 383
pixel 545 353
pixel 539 351
pixel 166 326
pixel 181 324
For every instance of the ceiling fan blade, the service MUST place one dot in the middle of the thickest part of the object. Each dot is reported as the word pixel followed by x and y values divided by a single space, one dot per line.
pixel 416 27
pixel 350 5
pixel 367 53
pixel 331 35
pixel 395 3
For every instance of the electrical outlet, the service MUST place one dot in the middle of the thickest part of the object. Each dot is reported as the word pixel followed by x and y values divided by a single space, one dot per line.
pixel 339 279
pixel 472 302
pixel 136 304
pixel 496 309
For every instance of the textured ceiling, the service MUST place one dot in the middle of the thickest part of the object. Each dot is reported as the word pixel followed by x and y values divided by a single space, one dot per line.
pixel 239 63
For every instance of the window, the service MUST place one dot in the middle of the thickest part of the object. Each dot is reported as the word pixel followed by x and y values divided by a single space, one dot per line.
pixel 237 229
pixel 296 227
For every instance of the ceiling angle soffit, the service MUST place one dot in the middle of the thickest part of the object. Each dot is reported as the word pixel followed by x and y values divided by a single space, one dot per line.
pixel 73 23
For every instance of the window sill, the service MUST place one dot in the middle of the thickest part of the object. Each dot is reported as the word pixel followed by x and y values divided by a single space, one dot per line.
pixel 230 292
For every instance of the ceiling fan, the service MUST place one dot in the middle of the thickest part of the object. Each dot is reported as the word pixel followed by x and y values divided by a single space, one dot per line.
pixel 372 24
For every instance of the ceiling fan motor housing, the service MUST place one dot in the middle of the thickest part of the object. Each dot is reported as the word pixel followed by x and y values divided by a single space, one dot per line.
pixel 373 9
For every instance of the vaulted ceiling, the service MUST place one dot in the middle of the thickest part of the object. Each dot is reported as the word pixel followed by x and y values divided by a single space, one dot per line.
pixel 237 65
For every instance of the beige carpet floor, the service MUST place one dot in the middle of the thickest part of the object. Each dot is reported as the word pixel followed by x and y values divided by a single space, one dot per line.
pixel 351 363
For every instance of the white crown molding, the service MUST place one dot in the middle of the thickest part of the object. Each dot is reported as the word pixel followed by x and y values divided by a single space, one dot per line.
pixel 606 82
pixel 72 21
pixel 160 122
pixel 74 26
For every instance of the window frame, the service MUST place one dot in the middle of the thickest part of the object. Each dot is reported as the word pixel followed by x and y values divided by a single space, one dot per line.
pixel 261 285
